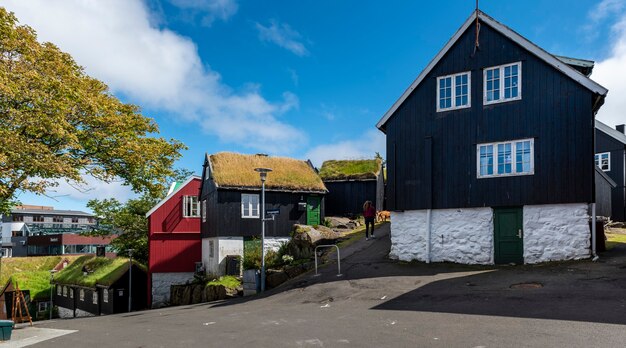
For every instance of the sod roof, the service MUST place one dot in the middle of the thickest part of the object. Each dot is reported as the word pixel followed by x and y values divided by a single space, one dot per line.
pixel 351 169
pixel 101 271
pixel 233 170
pixel 31 273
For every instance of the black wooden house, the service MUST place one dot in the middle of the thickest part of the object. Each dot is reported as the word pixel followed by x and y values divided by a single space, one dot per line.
pixel 490 152
pixel 352 182
pixel 93 286
pixel 611 159
pixel 231 203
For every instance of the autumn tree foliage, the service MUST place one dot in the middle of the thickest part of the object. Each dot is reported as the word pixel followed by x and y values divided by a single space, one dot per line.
pixel 58 123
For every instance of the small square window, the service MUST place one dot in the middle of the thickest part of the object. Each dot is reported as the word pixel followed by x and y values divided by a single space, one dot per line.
pixel 453 91
pixel 502 83
pixel 94 297
pixel 249 205
pixel 191 206
pixel 603 161
pixel 105 296
pixel 82 295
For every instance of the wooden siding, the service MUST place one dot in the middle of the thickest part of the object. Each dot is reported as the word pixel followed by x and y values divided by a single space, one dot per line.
pixel 224 214
pixel 174 252
pixel 169 216
pixel 606 143
pixel 432 155
pixel 347 197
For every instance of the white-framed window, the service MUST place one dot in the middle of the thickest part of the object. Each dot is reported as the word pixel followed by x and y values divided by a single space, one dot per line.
pixel 249 205
pixel 82 295
pixel 94 297
pixel 507 158
pixel 191 206
pixel 58 290
pixel 42 306
pixel 502 83
pixel 204 210
pixel 71 292
pixel 454 91
pixel 105 296
pixel 603 161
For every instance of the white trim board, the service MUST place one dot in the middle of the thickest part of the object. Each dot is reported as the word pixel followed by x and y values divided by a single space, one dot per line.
pixel 172 194
pixel 509 33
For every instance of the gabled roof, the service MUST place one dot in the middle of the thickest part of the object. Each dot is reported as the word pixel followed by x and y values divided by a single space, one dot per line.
pixel 236 171
pixel 512 35
pixel 606 177
pixel 613 133
pixel 175 187
pixel 339 170
pixel 101 271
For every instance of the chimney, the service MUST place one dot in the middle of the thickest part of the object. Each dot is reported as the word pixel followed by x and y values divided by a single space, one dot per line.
pixel 620 128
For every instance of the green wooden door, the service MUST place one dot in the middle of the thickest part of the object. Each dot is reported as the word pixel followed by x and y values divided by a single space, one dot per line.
pixel 312 210
pixel 508 236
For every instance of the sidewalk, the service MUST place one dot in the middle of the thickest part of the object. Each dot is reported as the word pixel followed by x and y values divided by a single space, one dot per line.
pixel 25 335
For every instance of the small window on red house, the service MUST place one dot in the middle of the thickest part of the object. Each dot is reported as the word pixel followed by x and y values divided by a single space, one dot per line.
pixel 191 206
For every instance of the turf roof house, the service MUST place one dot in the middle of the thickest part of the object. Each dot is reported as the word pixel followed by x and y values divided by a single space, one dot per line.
pixel 490 153
pixel 93 285
pixel 173 240
pixel 611 158
pixel 350 183
pixel 231 197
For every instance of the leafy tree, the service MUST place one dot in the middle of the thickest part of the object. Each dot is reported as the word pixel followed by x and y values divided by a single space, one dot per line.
pixel 57 123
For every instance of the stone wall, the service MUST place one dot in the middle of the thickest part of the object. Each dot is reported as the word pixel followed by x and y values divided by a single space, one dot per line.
pixel 409 235
pixel 556 232
pixel 273 243
pixel 66 313
pixel 161 283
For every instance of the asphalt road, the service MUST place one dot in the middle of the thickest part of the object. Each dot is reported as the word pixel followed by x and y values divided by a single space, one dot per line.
pixel 381 303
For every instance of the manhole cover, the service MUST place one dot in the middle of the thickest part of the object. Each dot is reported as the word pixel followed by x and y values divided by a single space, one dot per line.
pixel 526 286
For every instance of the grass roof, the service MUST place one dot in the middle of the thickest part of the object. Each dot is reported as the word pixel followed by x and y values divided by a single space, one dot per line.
pixel 101 271
pixel 237 170
pixel 31 273
pixel 351 169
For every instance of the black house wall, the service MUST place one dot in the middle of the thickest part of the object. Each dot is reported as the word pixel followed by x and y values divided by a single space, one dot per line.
pixel 431 155
pixel 606 143
pixel 347 197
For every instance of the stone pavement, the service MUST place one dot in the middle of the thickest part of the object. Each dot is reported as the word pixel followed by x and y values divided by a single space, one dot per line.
pixel 24 335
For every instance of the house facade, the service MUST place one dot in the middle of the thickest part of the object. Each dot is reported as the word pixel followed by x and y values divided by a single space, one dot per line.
pixel 490 153
pixel 173 240
pixel 350 183
pixel 611 159
pixel 230 202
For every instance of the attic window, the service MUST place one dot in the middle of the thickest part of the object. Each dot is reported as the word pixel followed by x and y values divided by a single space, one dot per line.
pixel 603 161
pixel 502 83
pixel 191 206
pixel 249 205
pixel 453 91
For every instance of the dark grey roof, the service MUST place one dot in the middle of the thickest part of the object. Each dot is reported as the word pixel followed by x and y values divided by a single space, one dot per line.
pixel 51 212
pixel 606 177
pixel 613 133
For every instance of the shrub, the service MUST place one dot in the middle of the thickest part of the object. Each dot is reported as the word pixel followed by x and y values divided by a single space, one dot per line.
pixel 252 256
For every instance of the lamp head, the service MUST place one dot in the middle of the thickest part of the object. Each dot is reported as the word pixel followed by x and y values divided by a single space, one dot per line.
pixel 263 172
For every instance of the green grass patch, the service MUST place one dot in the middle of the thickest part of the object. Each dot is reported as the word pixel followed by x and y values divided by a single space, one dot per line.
pixel 613 239
pixel 350 169
pixel 100 270
pixel 230 282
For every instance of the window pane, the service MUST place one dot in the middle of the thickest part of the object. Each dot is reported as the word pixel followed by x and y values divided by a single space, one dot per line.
pixel 486 160
pixel 493 84
pixel 504 158
pixel 522 157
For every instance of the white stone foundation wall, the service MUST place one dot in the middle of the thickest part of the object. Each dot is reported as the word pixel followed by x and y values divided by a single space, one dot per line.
pixel 66 313
pixel 556 232
pixel 457 235
pixel 161 283
pixel 274 243
pixel 214 261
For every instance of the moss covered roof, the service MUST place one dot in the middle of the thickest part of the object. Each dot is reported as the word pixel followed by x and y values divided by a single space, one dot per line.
pixel 31 273
pixel 100 271
pixel 233 170
pixel 351 169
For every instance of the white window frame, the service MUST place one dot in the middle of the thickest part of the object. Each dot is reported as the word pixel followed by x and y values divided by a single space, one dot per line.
pixel 94 297
pixel 42 304
pixel 453 104
pixel 203 210
pixel 81 294
pixel 514 172
pixel 248 201
pixel 59 290
pixel 187 204
pixel 105 296
pixel 502 99
pixel 598 160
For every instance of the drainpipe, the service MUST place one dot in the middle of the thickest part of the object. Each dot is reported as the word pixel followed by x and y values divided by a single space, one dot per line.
pixel 428 229
pixel 593 233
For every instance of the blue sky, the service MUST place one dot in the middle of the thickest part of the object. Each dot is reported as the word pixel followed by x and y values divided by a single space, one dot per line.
pixel 306 79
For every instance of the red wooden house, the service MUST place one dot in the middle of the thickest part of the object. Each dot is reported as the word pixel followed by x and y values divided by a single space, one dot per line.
pixel 174 240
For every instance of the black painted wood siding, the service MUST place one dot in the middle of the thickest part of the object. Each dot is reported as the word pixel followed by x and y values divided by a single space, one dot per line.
pixel 224 213
pixel 347 197
pixel 606 143
pixel 554 110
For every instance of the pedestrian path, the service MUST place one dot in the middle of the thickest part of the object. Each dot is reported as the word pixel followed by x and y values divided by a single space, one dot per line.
pixel 24 336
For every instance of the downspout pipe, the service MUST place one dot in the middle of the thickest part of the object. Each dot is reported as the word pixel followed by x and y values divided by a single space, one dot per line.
pixel 594 255
pixel 428 234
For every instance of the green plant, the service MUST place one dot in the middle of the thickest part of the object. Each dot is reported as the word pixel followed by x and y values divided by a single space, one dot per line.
pixel 252 256
pixel 327 222
pixel 231 282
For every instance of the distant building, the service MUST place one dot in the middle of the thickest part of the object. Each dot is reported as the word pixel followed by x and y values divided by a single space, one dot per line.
pixel 42 230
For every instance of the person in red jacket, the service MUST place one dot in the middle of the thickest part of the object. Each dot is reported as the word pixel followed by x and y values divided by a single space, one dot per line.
pixel 369 213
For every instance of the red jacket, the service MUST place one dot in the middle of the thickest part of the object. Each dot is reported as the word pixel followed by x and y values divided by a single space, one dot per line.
pixel 369 212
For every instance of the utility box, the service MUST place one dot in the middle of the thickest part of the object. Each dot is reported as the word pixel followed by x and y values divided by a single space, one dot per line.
pixel 6 328
pixel 251 282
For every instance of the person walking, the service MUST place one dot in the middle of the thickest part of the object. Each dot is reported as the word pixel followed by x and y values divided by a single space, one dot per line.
pixel 369 213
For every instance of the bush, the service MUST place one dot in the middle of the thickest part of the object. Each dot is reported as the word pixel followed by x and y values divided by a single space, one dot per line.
pixel 252 256
pixel 327 223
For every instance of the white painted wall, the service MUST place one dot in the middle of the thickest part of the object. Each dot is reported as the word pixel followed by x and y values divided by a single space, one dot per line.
pixel 556 232
pixel 222 246
pixel 161 283
pixel 409 235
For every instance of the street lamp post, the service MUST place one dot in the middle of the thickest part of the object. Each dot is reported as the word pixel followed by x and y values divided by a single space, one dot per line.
pixel 130 279
pixel 52 272
pixel 263 173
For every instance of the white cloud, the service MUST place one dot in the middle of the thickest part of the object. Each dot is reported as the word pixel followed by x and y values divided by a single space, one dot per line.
pixel 611 73
pixel 606 8
pixel 282 35
pixel 92 188
pixel 371 142
pixel 117 43
pixel 208 10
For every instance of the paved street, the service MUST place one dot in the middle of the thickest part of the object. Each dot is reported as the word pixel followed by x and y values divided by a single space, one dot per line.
pixel 380 303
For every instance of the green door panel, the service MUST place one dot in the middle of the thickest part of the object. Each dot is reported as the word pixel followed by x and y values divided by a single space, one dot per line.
pixel 312 210
pixel 508 236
